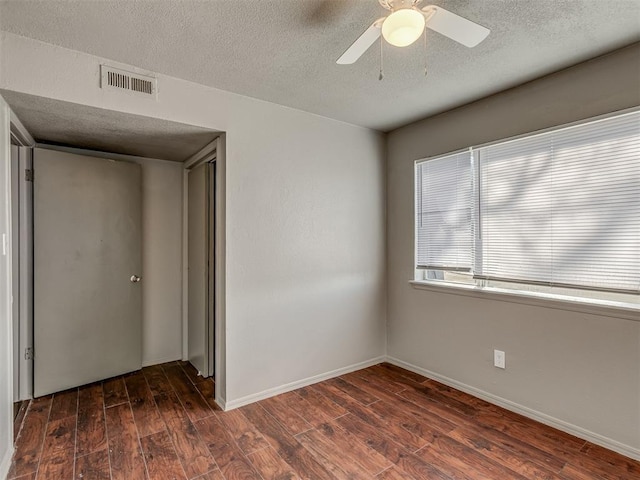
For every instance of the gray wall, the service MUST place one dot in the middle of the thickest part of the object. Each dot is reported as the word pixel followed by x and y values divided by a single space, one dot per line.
pixel 578 368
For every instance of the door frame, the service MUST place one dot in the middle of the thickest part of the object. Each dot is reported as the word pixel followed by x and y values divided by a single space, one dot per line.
pixel 22 259
pixel 214 152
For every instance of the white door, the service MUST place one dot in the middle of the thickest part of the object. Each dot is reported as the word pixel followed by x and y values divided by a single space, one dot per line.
pixel 87 262
pixel 211 262
pixel 199 310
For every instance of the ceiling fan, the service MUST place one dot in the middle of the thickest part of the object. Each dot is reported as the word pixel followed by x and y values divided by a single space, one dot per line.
pixel 407 22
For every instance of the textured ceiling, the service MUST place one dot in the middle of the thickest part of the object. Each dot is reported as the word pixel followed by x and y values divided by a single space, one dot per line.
pixel 284 51
pixel 70 124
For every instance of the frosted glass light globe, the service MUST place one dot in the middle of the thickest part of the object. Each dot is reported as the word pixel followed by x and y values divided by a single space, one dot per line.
pixel 403 27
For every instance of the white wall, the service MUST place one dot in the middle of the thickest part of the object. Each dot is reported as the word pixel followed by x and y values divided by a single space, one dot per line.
pixel 6 339
pixel 305 245
pixel 6 336
pixel 581 371
pixel 305 286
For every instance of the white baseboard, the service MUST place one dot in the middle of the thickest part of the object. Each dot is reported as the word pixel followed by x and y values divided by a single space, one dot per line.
pixel 157 361
pixel 580 432
pixel 222 403
pixel 5 464
pixel 271 392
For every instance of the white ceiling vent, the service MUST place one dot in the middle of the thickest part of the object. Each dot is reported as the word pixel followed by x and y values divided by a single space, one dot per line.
pixel 122 80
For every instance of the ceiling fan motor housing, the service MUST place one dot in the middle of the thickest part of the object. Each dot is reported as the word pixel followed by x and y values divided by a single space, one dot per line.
pixel 403 27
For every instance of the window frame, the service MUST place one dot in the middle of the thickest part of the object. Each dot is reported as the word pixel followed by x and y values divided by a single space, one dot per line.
pixel 479 287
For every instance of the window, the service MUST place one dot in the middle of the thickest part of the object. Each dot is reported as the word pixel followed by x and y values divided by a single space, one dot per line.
pixel 444 217
pixel 555 212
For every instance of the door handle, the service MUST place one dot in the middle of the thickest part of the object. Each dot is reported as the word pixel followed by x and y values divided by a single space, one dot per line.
pixel 135 279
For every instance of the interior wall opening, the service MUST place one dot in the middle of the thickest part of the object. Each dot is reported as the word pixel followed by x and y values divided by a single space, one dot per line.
pixel 23 174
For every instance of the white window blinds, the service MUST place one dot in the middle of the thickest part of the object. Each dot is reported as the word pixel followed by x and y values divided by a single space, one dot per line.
pixel 444 221
pixel 563 208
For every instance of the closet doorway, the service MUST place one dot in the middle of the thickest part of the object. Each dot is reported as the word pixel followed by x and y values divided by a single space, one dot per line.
pixel 201 262
pixel 161 147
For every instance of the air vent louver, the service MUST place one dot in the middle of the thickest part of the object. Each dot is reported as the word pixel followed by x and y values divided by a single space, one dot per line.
pixel 116 79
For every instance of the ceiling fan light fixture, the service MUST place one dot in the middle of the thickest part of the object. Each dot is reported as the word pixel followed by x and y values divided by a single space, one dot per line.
pixel 403 27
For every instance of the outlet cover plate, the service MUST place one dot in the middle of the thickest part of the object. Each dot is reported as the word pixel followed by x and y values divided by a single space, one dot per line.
pixel 499 359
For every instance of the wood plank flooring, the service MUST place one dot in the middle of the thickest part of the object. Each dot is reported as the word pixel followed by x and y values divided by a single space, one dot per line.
pixel 380 423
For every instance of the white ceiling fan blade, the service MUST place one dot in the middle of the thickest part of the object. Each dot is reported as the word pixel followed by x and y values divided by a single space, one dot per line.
pixel 454 26
pixel 362 44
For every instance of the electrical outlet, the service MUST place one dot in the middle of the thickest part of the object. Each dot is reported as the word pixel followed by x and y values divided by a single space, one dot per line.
pixel 499 359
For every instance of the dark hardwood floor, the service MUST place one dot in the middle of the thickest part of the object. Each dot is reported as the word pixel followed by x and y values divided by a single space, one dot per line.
pixel 381 422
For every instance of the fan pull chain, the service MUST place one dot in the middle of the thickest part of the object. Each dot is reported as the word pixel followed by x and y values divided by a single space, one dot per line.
pixel 425 52
pixel 381 76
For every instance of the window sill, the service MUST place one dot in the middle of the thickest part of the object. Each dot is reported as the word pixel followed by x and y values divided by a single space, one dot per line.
pixel 595 307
